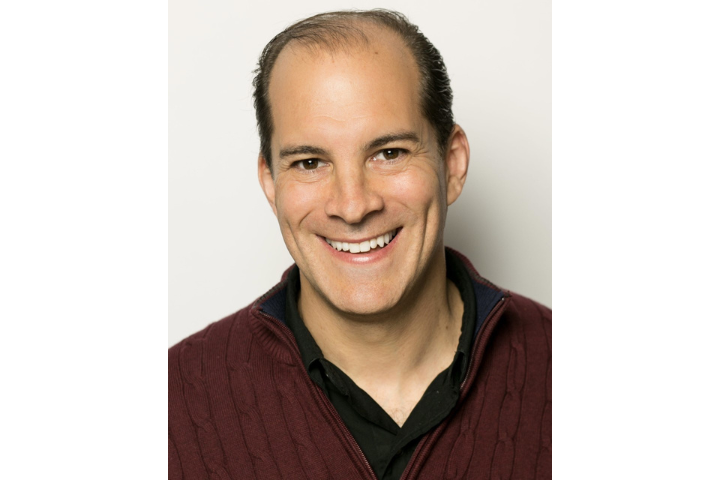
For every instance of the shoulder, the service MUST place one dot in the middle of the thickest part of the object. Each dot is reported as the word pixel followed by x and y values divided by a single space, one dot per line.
pixel 526 309
pixel 236 324
pixel 189 354
pixel 522 318
pixel 527 322
pixel 228 342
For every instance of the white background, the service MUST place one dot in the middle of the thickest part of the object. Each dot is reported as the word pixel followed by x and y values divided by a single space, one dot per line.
pixel 225 247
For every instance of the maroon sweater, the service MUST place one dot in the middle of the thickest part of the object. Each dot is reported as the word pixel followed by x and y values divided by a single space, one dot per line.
pixel 241 404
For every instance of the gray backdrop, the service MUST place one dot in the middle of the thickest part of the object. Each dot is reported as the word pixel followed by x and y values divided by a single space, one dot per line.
pixel 225 247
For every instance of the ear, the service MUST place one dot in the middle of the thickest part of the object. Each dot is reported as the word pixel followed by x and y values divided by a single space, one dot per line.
pixel 457 159
pixel 266 182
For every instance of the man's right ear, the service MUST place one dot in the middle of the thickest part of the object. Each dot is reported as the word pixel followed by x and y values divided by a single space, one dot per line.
pixel 266 182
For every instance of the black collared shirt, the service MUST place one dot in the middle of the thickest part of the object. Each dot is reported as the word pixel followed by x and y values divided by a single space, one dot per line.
pixel 387 446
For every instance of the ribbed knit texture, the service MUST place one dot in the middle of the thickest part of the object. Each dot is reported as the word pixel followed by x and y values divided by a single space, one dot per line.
pixel 241 405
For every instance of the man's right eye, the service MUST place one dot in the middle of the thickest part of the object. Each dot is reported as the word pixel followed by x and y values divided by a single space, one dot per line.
pixel 308 164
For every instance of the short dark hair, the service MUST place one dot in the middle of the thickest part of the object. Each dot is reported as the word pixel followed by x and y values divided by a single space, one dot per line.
pixel 338 29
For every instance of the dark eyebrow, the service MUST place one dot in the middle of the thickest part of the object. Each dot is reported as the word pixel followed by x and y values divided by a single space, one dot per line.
pixel 301 150
pixel 378 142
pixel 393 137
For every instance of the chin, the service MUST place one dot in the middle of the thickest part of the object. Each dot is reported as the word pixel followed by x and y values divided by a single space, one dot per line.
pixel 363 303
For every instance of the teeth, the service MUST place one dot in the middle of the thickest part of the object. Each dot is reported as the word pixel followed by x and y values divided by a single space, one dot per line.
pixel 363 247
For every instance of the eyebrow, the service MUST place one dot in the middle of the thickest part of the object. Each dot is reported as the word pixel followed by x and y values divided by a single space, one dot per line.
pixel 373 144
pixel 302 150
pixel 393 137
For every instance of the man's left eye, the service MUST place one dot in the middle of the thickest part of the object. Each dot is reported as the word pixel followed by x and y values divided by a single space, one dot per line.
pixel 389 154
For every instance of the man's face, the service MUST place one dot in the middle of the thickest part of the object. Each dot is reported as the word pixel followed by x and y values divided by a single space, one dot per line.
pixel 354 162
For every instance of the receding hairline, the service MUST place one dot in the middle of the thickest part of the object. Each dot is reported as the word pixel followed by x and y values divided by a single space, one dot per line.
pixel 345 37
pixel 340 32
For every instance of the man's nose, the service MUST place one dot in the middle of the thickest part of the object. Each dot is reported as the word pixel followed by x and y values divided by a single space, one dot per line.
pixel 354 195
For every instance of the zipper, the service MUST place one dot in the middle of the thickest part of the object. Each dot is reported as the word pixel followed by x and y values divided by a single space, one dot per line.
pixel 482 335
pixel 319 395
pixel 344 429
pixel 424 446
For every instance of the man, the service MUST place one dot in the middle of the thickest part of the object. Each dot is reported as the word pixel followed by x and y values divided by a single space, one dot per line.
pixel 380 354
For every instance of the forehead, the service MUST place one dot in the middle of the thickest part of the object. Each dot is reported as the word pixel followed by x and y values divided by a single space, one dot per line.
pixel 322 95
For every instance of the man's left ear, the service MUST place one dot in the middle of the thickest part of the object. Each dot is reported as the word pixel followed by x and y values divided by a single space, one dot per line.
pixel 457 159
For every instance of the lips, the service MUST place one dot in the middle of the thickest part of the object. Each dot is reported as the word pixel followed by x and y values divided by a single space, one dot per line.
pixel 365 246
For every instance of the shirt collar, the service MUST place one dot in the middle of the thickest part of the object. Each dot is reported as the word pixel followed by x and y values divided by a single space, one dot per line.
pixel 309 350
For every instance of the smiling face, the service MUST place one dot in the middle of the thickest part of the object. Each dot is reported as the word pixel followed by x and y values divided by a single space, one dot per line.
pixel 354 164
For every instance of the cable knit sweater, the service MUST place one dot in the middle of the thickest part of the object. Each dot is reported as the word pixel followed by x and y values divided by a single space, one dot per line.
pixel 242 406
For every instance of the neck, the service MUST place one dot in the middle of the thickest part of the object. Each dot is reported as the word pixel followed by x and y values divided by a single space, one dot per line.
pixel 405 347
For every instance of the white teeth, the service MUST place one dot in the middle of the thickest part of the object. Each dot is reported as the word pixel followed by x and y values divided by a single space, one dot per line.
pixel 363 247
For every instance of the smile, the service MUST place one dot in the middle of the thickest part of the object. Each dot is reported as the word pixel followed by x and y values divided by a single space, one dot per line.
pixel 362 247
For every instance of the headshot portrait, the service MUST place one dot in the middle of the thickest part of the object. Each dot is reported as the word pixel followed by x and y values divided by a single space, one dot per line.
pixel 360 277
pixel 371 208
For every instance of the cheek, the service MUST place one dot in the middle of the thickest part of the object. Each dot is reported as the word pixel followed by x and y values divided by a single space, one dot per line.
pixel 417 191
pixel 295 202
